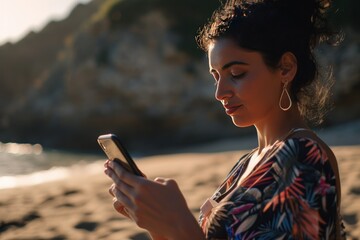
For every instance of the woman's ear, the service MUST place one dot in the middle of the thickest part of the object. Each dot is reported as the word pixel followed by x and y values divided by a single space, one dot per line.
pixel 288 67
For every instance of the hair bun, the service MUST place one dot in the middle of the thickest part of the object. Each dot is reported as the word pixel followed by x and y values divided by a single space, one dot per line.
pixel 308 15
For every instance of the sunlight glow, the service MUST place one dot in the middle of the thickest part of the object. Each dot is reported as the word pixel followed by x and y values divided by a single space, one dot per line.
pixel 19 17
pixel 21 148
pixel 53 174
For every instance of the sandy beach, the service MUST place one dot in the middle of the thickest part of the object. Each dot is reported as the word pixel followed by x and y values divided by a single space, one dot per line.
pixel 80 207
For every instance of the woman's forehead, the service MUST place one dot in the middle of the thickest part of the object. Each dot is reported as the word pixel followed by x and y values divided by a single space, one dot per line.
pixel 220 52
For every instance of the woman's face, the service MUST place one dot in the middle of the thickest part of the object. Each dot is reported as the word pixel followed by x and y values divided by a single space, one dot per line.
pixel 248 89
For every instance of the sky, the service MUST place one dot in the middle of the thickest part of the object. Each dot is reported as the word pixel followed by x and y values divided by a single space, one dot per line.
pixel 19 17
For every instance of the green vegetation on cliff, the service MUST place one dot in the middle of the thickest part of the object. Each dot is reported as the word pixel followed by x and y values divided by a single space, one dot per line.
pixel 185 17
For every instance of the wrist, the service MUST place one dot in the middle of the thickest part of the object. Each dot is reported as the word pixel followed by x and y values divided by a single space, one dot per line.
pixel 187 228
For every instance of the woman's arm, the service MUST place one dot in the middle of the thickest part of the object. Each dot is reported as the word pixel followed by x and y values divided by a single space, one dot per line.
pixel 187 228
pixel 157 206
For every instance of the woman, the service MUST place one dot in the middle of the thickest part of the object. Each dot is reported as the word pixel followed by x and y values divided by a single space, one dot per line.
pixel 261 57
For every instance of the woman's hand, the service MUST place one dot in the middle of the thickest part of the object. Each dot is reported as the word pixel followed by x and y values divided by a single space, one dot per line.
pixel 157 206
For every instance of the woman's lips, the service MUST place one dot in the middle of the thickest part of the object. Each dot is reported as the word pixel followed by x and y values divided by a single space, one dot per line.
pixel 231 109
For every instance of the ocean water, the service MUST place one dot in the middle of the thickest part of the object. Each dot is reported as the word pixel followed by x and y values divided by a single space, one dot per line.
pixel 27 164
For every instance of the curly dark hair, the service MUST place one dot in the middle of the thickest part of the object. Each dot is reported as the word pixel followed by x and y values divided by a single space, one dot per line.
pixel 273 27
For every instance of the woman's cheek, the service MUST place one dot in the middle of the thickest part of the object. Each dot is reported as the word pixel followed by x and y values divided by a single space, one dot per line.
pixel 245 88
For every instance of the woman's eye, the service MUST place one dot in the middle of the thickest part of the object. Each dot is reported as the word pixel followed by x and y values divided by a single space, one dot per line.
pixel 238 76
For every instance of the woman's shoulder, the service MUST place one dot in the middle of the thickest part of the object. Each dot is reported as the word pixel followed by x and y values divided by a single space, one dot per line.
pixel 308 142
pixel 311 149
pixel 307 148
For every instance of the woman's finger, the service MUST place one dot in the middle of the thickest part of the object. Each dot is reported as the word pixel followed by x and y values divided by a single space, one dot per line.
pixel 118 183
pixel 123 198
pixel 160 180
pixel 124 175
pixel 120 208
pixel 111 189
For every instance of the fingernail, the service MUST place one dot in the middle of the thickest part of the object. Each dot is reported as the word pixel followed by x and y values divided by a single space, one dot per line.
pixel 106 163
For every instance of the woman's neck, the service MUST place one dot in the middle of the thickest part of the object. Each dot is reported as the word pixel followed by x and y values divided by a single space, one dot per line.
pixel 277 127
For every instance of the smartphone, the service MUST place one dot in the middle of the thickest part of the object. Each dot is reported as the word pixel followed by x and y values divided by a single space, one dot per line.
pixel 115 151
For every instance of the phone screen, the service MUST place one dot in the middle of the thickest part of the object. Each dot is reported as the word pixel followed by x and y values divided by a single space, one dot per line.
pixel 114 150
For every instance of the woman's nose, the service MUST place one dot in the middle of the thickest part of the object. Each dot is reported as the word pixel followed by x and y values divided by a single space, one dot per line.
pixel 223 90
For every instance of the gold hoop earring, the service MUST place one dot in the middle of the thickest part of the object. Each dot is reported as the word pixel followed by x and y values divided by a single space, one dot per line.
pixel 285 91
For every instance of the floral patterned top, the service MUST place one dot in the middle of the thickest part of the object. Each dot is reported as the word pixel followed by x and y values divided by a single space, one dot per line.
pixel 290 194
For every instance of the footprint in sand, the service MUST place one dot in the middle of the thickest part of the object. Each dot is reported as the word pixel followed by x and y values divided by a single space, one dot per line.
pixel 350 219
pixel 20 223
pixel 88 226
pixel 65 193
pixel 355 190
pixel 140 236
pixel 71 192
pixel 48 199
pixel 66 205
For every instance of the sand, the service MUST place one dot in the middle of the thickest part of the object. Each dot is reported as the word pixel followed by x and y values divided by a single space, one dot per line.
pixel 81 208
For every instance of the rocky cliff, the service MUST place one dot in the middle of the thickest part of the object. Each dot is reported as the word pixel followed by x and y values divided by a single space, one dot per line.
pixel 130 67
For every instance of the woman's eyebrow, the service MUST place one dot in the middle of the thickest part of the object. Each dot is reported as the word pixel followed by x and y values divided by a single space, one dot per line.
pixel 229 64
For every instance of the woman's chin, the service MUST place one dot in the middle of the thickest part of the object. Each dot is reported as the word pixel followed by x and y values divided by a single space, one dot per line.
pixel 241 123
